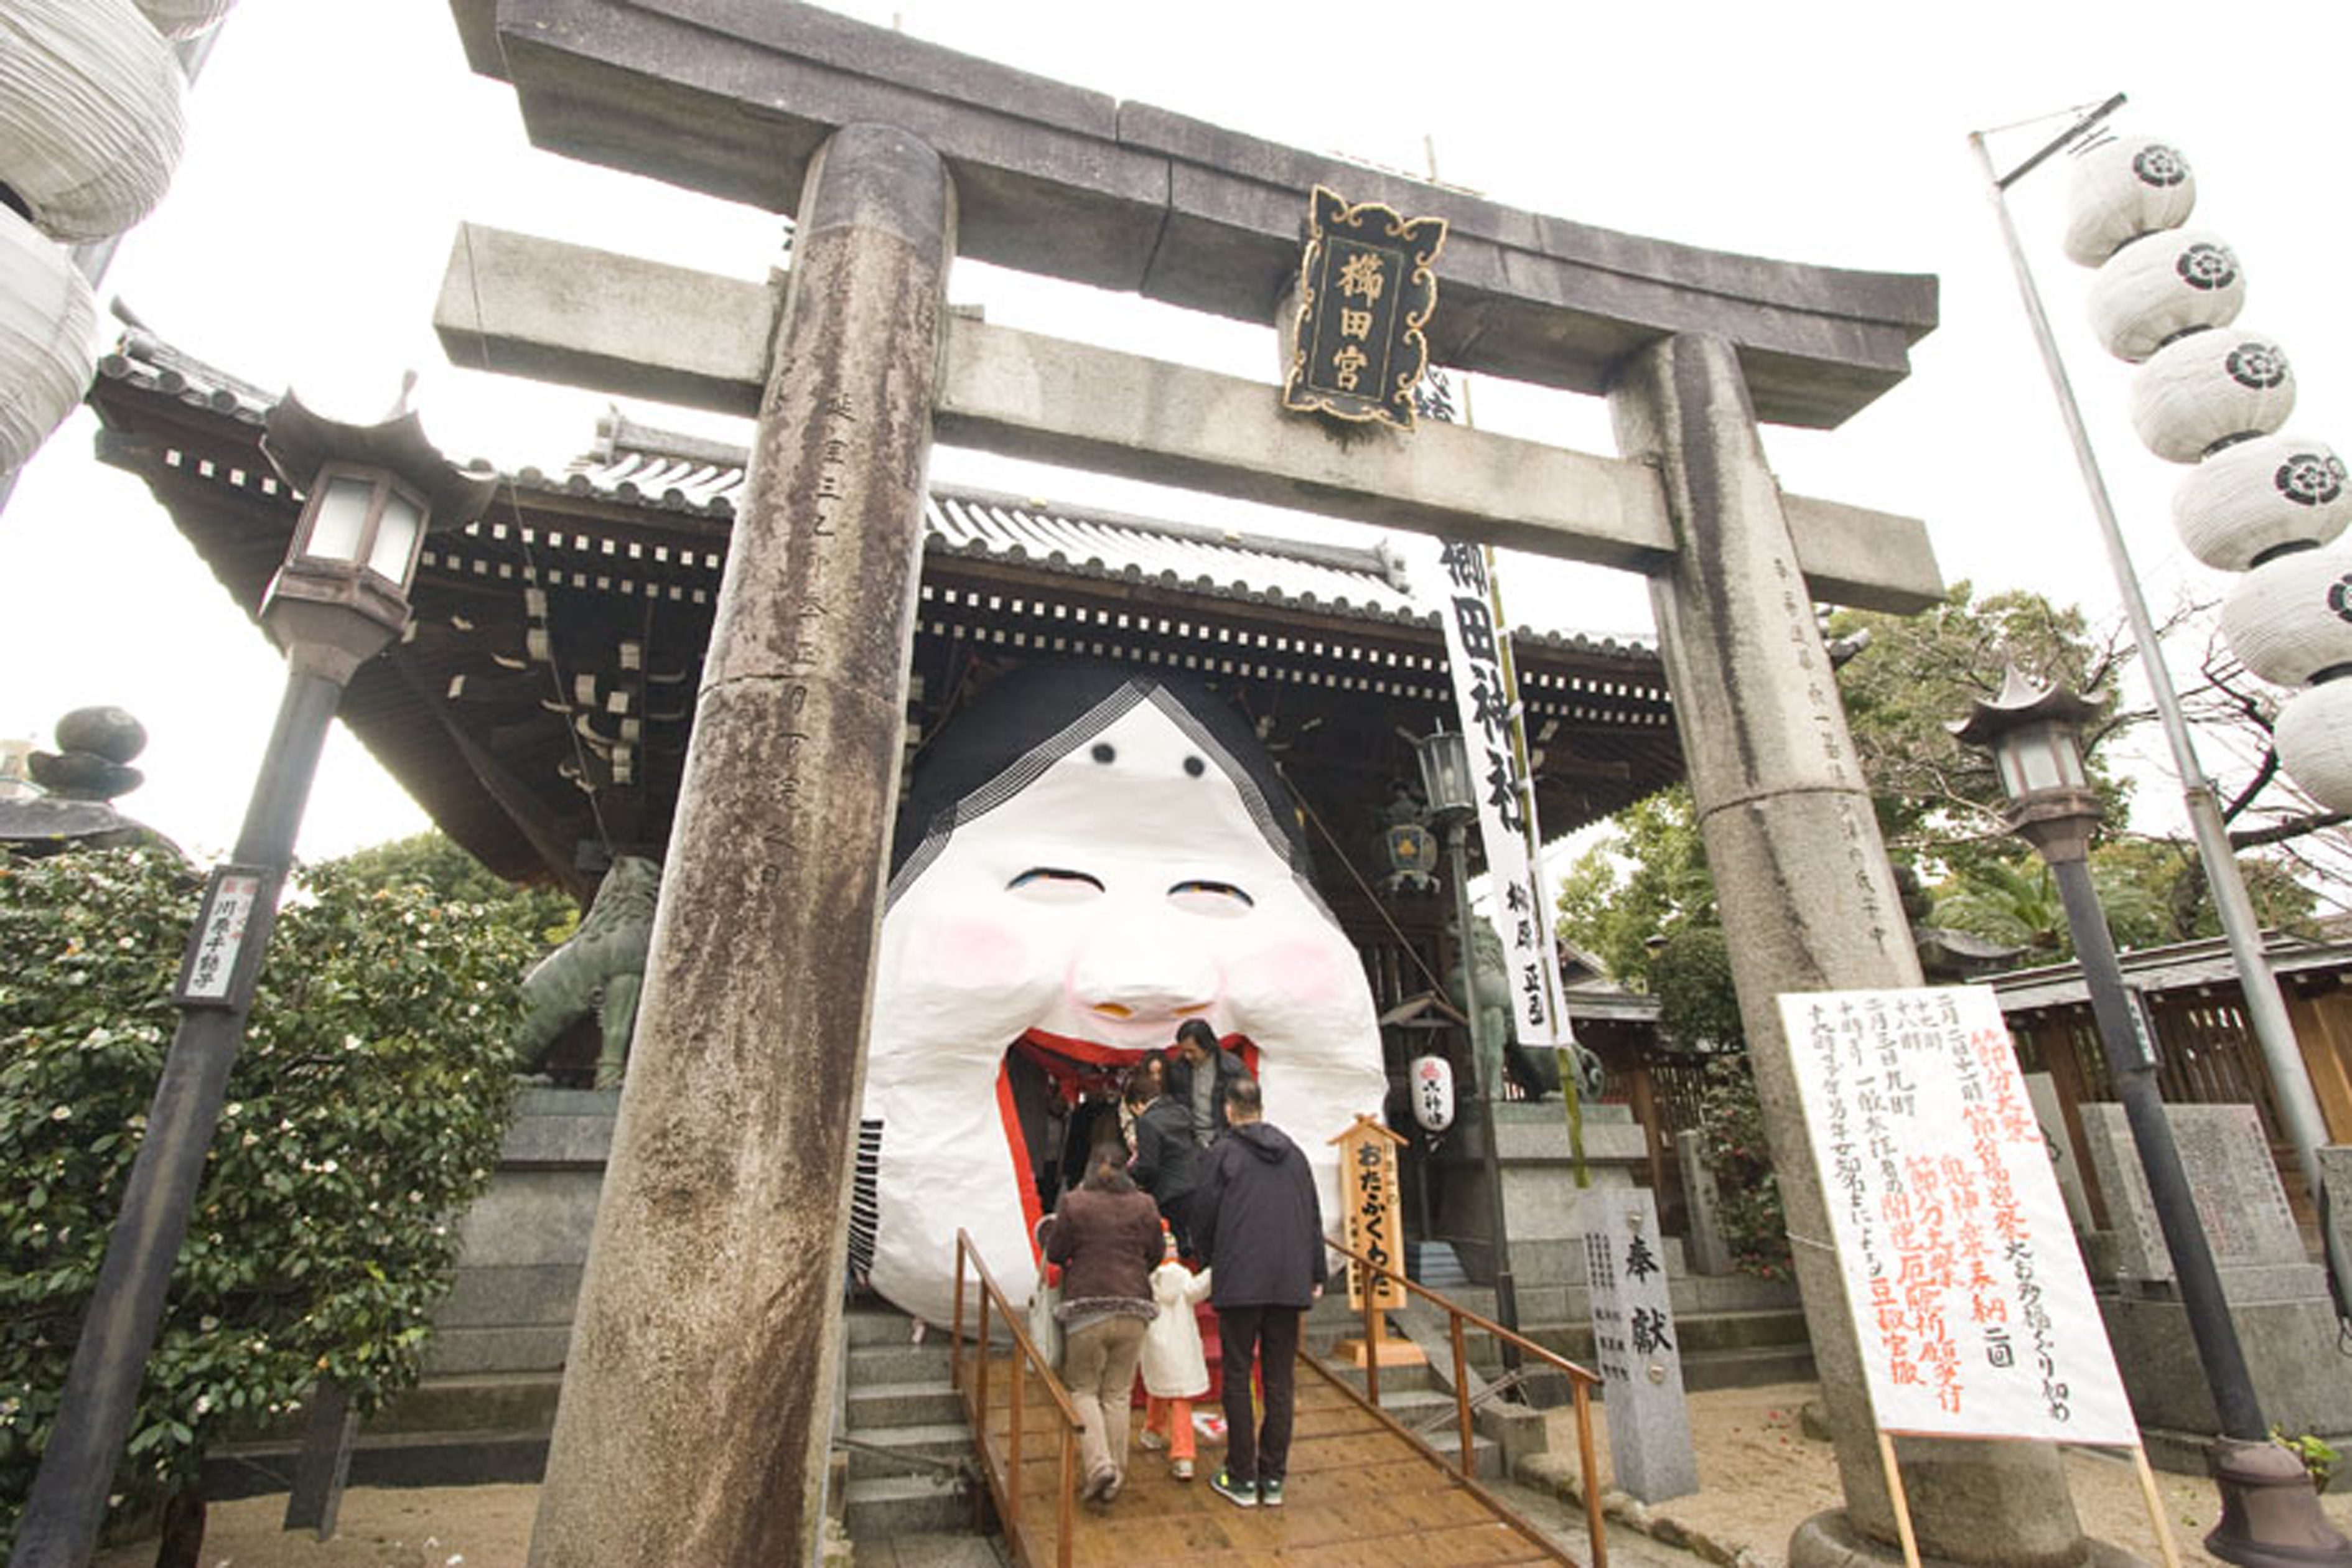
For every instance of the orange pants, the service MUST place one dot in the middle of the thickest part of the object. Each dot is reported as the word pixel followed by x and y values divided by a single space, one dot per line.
pixel 1173 1418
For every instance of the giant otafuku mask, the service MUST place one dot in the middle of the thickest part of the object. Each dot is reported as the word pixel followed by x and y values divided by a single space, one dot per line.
pixel 1086 859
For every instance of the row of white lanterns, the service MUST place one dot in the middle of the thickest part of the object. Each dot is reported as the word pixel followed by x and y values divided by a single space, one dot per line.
pixel 2214 395
pixel 89 134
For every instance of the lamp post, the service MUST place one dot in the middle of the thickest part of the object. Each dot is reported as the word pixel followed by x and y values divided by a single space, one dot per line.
pixel 1447 785
pixel 340 598
pixel 2270 1511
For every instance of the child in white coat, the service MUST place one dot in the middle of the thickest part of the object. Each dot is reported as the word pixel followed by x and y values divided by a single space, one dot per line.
pixel 1175 1373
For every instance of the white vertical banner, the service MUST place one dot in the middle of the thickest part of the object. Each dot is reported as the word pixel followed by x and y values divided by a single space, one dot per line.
pixel 1972 1312
pixel 1458 582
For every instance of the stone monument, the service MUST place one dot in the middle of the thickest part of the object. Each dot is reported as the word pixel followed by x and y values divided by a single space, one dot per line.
pixel 2278 1297
pixel 1634 1339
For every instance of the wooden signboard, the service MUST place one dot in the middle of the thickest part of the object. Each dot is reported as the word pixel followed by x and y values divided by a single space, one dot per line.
pixel 1369 1195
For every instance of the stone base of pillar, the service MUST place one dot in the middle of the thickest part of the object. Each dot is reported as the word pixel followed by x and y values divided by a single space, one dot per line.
pixel 1829 1540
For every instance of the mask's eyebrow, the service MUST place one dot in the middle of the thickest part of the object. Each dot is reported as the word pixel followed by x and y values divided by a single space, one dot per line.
pixel 1203 885
pixel 1053 874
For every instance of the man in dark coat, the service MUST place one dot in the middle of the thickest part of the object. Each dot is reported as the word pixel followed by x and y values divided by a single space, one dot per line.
pixel 1165 1156
pixel 1198 1069
pixel 1257 1222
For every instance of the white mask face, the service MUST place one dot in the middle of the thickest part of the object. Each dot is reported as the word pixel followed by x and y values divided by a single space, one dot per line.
pixel 1126 889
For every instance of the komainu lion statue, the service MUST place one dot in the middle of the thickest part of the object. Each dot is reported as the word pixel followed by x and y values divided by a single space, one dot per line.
pixel 602 966
pixel 1536 1071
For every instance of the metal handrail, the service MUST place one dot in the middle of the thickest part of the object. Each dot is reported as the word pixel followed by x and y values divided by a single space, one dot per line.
pixel 1581 1381
pixel 975 1393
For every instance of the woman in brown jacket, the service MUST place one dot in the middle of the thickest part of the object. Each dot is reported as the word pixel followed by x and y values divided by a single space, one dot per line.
pixel 1106 1237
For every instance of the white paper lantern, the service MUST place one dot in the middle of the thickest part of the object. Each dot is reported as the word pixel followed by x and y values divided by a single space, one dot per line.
pixel 2315 742
pixel 89 114
pixel 2291 617
pixel 2158 288
pixel 2210 387
pixel 2249 500
pixel 2123 189
pixel 184 18
pixel 1433 1092
pixel 48 331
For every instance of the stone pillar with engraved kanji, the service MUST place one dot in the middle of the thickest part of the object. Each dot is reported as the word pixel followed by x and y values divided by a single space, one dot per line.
pixel 698 1399
pixel 1809 903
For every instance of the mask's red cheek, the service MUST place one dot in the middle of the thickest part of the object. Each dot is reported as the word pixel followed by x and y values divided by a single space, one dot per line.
pixel 1303 974
pixel 976 955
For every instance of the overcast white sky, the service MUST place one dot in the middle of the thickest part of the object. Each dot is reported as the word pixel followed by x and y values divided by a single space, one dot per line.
pixel 334 147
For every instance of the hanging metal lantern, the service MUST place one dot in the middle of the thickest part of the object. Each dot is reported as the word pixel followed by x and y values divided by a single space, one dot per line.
pixel 2250 499
pixel 2291 617
pixel 89 114
pixel 2163 287
pixel 2123 189
pixel 2314 734
pixel 1433 1092
pixel 49 332
pixel 2209 388
pixel 184 18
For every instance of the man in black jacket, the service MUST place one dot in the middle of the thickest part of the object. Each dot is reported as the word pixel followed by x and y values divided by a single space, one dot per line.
pixel 1198 1071
pixel 1257 1220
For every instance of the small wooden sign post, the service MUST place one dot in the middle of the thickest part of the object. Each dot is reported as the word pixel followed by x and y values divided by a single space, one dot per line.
pixel 1368 1191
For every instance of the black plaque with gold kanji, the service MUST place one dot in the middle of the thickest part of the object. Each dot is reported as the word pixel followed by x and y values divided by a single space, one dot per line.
pixel 1365 292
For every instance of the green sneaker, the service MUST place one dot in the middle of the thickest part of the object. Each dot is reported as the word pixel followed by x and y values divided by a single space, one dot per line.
pixel 1269 1493
pixel 1241 1494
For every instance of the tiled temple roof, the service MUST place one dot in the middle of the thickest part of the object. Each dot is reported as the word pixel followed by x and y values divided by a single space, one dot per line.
pixel 640 465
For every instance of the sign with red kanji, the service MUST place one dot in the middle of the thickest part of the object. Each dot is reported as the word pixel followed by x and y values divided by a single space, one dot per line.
pixel 1971 1309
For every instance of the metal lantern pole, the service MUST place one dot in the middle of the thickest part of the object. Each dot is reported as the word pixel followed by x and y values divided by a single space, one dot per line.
pixel 2268 1502
pixel 340 597
pixel 1444 767
pixel 2266 1015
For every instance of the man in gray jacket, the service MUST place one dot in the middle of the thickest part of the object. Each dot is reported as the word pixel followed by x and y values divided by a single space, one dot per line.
pixel 1256 1221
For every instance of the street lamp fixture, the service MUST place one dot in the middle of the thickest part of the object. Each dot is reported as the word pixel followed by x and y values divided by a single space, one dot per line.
pixel 1452 790
pixel 1446 781
pixel 2270 1511
pixel 371 492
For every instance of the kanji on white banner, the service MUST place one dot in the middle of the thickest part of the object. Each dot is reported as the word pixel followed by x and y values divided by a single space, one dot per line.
pixel 1455 580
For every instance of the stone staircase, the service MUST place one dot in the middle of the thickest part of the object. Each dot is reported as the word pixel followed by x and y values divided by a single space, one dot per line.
pixel 906 1444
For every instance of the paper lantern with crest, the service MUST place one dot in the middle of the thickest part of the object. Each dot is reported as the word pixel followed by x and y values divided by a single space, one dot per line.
pixel 2291 617
pixel 2162 286
pixel 2314 734
pixel 48 325
pixel 2208 388
pixel 89 115
pixel 2123 189
pixel 2255 497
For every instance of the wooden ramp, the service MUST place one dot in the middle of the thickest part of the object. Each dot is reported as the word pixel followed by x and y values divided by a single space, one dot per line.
pixel 1360 1492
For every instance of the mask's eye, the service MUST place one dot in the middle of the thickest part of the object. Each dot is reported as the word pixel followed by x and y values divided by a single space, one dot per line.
pixel 1053 885
pixel 1202 896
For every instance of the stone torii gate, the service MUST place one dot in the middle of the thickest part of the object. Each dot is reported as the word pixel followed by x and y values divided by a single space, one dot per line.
pixel 697 1404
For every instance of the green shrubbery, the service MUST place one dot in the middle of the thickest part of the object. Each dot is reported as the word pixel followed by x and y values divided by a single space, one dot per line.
pixel 1731 1129
pixel 364 1114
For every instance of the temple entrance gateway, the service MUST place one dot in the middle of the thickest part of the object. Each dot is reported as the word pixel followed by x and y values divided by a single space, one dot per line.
pixel 891 170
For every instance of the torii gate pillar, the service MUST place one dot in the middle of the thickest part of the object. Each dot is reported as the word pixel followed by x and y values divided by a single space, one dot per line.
pixel 1809 899
pixel 698 1398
